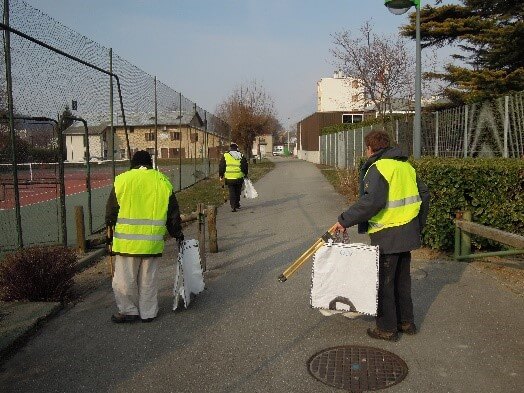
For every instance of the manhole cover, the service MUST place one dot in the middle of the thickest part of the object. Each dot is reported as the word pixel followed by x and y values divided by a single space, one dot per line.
pixel 357 369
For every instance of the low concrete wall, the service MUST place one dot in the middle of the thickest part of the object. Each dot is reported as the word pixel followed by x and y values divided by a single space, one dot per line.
pixel 311 156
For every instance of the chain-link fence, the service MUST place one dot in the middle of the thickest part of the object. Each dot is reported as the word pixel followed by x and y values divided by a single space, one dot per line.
pixel 74 105
pixel 488 129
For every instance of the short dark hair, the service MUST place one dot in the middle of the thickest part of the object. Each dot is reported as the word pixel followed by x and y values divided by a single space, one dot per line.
pixel 141 158
pixel 233 146
pixel 377 140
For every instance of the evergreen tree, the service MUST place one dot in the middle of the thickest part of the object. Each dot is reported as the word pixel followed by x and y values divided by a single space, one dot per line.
pixel 490 36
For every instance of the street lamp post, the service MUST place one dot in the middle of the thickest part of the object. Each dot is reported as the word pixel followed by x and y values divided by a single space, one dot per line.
pixel 399 7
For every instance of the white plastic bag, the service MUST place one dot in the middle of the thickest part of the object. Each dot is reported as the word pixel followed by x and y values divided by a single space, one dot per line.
pixel 188 274
pixel 345 278
pixel 249 191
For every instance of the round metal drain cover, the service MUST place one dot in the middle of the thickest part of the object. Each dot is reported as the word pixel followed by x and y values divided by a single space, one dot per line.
pixel 357 368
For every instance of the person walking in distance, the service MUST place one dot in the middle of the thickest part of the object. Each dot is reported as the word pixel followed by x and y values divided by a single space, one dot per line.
pixel 141 206
pixel 392 208
pixel 233 168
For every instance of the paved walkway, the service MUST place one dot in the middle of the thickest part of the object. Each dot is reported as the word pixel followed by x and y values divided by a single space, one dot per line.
pixel 249 333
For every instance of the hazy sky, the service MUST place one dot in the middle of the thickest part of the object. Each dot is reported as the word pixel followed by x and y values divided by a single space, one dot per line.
pixel 206 48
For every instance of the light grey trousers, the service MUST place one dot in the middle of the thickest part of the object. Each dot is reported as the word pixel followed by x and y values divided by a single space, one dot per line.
pixel 135 285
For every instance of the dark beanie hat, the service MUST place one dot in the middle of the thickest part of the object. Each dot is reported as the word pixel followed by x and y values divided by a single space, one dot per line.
pixel 233 146
pixel 141 158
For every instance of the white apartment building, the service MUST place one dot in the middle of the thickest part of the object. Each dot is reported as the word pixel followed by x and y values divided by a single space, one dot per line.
pixel 340 93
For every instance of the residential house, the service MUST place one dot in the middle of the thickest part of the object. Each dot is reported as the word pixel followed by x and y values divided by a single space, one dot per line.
pixel 75 142
pixel 262 145
pixel 174 136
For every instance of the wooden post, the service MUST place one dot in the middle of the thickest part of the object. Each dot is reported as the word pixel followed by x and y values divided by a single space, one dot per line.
pixel 80 229
pixel 212 228
pixel 458 235
pixel 465 241
pixel 202 235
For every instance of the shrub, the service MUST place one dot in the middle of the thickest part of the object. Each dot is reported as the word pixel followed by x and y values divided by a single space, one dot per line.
pixel 492 189
pixel 41 273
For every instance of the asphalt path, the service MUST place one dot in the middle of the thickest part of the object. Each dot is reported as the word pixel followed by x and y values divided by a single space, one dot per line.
pixel 247 332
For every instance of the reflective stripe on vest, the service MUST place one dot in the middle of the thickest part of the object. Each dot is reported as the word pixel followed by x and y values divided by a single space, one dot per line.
pixel 233 170
pixel 143 196
pixel 403 203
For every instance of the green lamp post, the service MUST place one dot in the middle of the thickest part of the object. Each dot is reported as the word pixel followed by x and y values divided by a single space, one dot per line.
pixel 399 7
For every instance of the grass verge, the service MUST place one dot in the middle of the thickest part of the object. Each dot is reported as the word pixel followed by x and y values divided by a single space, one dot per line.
pixel 210 191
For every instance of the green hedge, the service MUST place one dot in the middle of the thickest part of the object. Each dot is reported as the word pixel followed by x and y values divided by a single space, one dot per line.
pixel 493 189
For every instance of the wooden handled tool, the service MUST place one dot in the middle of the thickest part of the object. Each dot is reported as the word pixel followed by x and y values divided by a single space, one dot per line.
pixel 306 255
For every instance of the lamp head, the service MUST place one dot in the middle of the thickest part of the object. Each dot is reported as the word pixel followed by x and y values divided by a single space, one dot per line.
pixel 399 7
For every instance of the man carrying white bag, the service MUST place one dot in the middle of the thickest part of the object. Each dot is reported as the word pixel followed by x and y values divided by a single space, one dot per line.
pixel 189 280
pixel 393 207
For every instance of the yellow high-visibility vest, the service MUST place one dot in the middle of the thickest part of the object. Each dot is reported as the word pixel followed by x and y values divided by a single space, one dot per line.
pixel 403 203
pixel 143 196
pixel 233 170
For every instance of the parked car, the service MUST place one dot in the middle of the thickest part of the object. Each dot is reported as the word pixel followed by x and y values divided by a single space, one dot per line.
pixel 278 150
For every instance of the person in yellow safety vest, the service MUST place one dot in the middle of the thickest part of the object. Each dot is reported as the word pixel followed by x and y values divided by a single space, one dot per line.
pixel 140 207
pixel 233 168
pixel 392 208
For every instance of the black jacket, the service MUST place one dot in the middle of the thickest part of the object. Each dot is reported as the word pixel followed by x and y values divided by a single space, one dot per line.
pixel 373 198
pixel 222 169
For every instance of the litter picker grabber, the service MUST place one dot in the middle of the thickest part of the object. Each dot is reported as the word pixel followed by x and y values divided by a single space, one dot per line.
pixel 306 255
pixel 109 241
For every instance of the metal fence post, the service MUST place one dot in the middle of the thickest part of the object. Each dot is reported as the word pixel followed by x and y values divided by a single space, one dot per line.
pixel 9 87
pixel 465 131
pixel 436 134
pixel 506 126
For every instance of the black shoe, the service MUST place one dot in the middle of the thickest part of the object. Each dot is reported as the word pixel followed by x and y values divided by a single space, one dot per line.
pixel 123 318
pixel 238 207
pixel 381 335
pixel 146 320
pixel 234 209
pixel 408 328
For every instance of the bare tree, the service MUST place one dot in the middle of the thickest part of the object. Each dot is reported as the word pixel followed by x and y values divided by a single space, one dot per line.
pixel 381 63
pixel 249 111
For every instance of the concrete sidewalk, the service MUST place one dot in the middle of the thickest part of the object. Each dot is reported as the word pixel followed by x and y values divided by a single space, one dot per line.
pixel 249 333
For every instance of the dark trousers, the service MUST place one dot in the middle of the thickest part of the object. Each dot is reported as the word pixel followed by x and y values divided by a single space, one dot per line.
pixel 235 190
pixel 395 305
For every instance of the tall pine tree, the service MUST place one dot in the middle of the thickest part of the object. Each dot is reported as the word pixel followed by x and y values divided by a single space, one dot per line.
pixel 490 37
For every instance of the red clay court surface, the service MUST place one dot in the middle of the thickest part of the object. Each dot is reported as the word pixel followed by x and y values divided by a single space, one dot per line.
pixel 46 189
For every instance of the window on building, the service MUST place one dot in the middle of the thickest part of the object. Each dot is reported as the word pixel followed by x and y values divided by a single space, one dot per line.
pixel 150 136
pixel 174 135
pixel 173 152
pixel 194 137
pixel 358 118
pixel 122 153
pixel 349 118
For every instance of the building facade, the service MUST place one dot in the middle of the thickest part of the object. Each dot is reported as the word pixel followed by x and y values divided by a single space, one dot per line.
pixel 174 136
pixel 340 93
